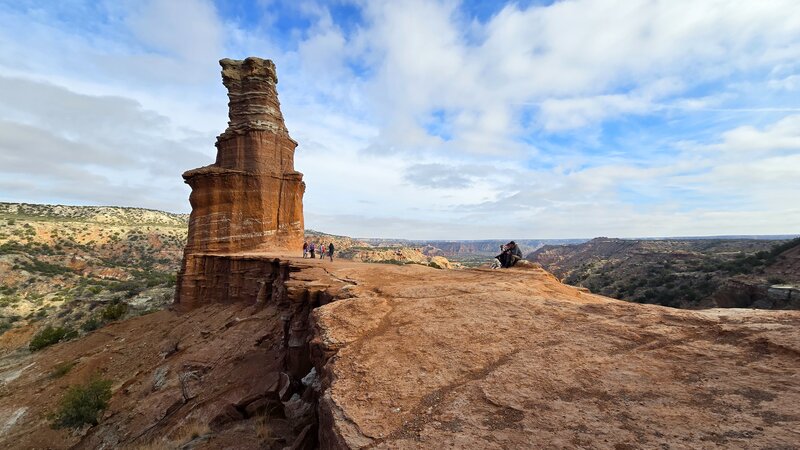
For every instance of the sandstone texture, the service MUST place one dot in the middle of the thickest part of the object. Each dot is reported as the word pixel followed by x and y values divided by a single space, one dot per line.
pixel 306 353
pixel 515 359
pixel 251 198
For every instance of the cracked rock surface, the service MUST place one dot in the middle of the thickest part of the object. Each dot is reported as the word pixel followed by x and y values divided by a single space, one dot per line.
pixel 420 358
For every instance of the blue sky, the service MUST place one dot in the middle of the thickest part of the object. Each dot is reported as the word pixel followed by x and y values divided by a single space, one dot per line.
pixel 424 119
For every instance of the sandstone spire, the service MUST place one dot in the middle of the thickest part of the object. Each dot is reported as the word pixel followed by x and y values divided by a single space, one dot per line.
pixel 251 199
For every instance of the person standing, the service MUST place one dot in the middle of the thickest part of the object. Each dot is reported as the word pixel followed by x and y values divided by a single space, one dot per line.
pixel 330 251
pixel 311 250
pixel 321 251
pixel 305 249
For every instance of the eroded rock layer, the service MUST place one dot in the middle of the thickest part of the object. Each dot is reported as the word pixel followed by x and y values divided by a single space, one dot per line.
pixel 307 354
pixel 251 198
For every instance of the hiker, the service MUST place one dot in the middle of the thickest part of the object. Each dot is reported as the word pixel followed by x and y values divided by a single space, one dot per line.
pixel 305 249
pixel 330 251
pixel 321 251
pixel 514 254
pixel 311 250
pixel 509 255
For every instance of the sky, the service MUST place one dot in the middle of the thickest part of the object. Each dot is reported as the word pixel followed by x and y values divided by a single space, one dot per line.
pixel 424 119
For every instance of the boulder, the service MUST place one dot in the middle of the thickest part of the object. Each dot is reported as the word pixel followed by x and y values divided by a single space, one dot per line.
pixel 440 262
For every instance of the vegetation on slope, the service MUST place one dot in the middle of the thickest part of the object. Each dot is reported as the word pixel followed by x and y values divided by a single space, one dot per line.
pixel 676 273
pixel 80 267
pixel 83 404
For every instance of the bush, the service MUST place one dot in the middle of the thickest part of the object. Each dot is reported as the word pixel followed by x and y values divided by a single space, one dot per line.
pixel 113 312
pixel 92 324
pixel 45 268
pixel 83 404
pixel 62 369
pixel 50 335
pixel 780 248
pixel 775 280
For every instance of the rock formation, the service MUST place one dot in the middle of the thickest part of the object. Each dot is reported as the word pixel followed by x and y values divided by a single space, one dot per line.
pixel 251 199
pixel 350 356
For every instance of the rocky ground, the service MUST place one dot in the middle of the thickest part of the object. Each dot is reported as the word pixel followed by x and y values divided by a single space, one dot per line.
pixel 691 273
pixel 514 359
pixel 414 357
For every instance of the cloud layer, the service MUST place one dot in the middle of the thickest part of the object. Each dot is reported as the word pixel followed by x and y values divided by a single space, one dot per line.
pixel 425 119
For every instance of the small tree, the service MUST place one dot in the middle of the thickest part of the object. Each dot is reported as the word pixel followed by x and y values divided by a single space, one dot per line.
pixel 114 311
pixel 50 335
pixel 83 404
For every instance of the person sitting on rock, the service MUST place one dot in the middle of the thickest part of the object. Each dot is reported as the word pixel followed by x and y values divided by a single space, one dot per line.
pixel 514 254
pixel 509 255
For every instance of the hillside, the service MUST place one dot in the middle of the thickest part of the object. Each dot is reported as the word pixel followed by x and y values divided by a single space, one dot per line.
pixel 681 273
pixel 65 265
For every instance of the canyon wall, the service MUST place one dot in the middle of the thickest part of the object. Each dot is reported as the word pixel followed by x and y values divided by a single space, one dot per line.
pixel 251 199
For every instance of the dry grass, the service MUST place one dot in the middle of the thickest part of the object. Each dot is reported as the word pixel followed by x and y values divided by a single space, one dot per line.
pixel 189 431
pixel 178 438
pixel 263 429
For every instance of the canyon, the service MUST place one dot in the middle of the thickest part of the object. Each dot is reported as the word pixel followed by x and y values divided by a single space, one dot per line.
pixel 265 349
pixel 682 273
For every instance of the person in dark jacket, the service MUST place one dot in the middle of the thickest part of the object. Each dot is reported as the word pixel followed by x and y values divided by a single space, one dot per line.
pixel 509 255
pixel 515 254
pixel 330 251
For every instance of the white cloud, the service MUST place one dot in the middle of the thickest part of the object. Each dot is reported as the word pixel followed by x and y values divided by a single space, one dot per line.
pixel 187 29
pixel 422 121
pixel 781 135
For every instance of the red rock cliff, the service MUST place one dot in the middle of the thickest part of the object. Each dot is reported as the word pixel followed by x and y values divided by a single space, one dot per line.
pixel 251 198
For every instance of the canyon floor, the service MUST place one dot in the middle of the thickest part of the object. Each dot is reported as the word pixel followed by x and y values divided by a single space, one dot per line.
pixel 415 357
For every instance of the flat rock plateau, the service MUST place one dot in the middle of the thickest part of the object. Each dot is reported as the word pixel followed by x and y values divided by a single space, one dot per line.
pixel 415 357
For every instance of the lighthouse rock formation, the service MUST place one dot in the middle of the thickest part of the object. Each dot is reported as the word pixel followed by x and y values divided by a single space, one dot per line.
pixel 251 199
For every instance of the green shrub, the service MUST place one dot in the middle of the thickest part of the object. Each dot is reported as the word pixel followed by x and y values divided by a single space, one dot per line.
pixel 780 248
pixel 62 369
pixel 775 280
pixel 50 335
pixel 83 404
pixel 91 324
pixel 113 311
pixel 45 268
